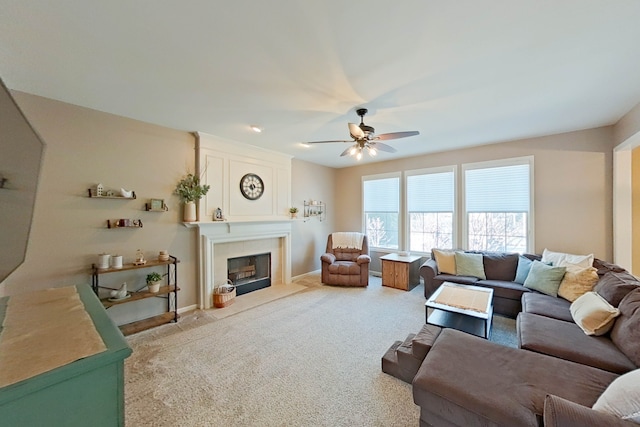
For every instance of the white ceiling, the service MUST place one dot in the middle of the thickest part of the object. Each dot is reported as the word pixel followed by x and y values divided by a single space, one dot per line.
pixel 464 72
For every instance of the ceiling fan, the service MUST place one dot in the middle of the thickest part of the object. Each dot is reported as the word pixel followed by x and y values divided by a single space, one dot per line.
pixel 365 139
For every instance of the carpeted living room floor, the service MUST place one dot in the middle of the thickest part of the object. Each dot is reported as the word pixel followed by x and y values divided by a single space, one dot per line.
pixel 306 356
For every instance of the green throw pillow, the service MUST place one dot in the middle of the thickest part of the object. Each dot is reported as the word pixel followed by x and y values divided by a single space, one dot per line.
pixel 469 265
pixel 544 278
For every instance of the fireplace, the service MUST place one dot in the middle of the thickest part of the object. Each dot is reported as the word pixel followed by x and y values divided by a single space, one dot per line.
pixel 250 272
pixel 221 240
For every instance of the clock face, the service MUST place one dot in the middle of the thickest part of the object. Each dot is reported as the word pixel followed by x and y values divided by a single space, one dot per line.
pixel 251 186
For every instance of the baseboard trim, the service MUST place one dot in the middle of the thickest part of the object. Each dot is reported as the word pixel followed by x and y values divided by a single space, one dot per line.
pixel 187 308
pixel 300 276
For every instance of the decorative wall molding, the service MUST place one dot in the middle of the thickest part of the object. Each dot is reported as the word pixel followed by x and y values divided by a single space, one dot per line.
pixel 222 164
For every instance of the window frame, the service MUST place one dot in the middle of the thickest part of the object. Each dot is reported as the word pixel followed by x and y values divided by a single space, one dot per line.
pixel 514 161
pixel 428 171
pixel 401 207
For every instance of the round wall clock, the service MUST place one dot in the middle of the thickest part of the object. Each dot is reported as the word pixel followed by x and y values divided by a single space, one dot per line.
pixel 251 186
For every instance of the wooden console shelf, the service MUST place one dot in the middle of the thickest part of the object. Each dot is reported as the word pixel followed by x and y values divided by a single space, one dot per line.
pixel 169 291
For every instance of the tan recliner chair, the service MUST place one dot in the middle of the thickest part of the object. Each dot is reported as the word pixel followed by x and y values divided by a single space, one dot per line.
pixel 347 261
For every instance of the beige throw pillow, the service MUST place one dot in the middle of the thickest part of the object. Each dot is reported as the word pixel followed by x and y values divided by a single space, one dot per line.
pixel 593 314
pixel 622 397
pixel 577 280
pixel 446 261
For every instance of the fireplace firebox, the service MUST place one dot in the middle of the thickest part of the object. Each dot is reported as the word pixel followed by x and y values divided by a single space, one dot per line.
pixel 250 273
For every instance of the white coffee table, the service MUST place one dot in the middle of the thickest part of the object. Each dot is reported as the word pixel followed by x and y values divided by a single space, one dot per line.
pixel 463 307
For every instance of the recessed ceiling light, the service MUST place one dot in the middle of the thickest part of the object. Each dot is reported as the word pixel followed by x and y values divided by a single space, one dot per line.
pixel 256 128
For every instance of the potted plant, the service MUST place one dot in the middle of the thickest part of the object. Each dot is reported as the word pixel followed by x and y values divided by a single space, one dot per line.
pixel 293 211
pixel 153 282
pixel 190 190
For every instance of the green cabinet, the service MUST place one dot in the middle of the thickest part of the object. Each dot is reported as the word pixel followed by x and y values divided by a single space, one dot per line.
pixel 89 391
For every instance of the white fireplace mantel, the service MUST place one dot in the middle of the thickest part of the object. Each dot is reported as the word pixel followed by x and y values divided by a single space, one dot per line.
pixel 216 232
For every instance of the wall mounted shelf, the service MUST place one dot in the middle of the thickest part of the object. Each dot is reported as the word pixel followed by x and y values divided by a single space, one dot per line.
pixel 93 195
pixel 124 223
pixel 315 209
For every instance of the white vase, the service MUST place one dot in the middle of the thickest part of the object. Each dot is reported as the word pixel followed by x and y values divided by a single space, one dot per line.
pixel 189 211
pixel 154 287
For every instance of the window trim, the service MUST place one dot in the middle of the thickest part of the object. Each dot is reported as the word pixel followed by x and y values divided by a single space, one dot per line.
pixel 514 161
pixel 456 205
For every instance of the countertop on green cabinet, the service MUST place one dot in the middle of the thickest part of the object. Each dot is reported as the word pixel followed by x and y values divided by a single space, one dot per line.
pixel 89 391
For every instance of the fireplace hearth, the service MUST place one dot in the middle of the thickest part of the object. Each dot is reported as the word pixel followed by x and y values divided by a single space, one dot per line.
pixel 250 273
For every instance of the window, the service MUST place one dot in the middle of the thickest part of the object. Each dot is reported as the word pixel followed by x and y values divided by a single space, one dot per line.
pixel 430 209
pixel 381 210
pixel 498 205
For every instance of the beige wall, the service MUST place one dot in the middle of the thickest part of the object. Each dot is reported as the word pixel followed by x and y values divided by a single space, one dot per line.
pixel 635 211
pixel 573 186
pixel 85 147
pixel 309 237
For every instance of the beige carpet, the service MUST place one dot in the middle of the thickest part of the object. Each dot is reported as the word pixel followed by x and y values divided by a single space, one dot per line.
pixel 311 358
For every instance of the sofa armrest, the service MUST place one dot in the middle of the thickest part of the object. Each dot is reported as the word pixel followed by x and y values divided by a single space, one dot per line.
pixel 328 258
pixel 428 271
pixel 559 412
pixel 363 259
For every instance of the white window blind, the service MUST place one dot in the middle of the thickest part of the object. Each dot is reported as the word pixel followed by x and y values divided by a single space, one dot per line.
pixel 498 189
pixel 432 192
pixel 382 195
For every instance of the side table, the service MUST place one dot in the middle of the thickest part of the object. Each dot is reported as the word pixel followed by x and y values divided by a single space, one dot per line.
pixel 400 272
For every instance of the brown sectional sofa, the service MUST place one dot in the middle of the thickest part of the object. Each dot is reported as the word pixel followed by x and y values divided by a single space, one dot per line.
pixel 553 379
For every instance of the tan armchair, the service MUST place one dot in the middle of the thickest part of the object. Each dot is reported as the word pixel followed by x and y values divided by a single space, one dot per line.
pixel 348 264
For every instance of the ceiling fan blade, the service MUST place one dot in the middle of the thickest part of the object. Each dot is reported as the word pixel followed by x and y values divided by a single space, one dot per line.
pixel 395 135
pixel 325 142
pixel 383 147
pixel 355 131
pixel 345 152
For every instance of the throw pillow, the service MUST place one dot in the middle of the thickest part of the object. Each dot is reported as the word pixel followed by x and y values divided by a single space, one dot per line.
pixel 544 278
pixel 524 265
pixel 560 259
pixel 468 264
pixel 626 330
pixel 446 261
pixel 593 314
pixel 622 397
pixel 577 280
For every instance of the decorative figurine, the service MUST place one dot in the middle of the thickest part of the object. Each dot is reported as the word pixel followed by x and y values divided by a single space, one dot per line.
pixel 99 190
pixel 217 215
pixel 140 258
pixel 120 293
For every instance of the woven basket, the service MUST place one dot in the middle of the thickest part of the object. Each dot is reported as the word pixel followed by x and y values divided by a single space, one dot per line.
pixel 222 298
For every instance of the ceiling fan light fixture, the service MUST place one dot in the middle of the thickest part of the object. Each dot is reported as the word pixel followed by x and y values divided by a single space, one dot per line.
pixel 256 128
pixel 359 155
pixel 372 151
pixel 353 150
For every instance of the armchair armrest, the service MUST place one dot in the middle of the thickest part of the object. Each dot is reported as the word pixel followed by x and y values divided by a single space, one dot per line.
pixel 363 259
pixel 559 412
pixel 328 258
pixel 428 271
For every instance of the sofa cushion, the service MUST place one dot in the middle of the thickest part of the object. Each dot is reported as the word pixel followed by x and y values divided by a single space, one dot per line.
pixel 467 380
pixel 469 264
pixel 622 397
pixel 446 261
pixel 604 266
pixel 613 286
pixel 503 289
pixel 544 305
pixel 626 331
pixel 500 266
pixel 593 314
pixel 577 280
pixel 544 278
pixel 567 341
pixel 560 259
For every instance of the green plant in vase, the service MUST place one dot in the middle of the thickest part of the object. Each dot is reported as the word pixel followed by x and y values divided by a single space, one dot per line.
pixel 190 190
pixel 153 281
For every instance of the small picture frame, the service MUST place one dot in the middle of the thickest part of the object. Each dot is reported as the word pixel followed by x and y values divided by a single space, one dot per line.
pixel 156 204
